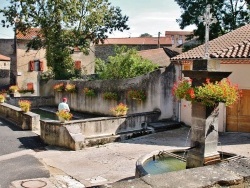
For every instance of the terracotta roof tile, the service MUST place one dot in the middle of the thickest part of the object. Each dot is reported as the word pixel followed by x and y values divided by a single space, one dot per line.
pixel 157 56
pixel 178 32
pixel 30 34
pixel 235 44
pixel 4 58
pixel 138 41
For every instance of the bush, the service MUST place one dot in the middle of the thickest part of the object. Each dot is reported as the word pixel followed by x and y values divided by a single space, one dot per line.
pixel 125 64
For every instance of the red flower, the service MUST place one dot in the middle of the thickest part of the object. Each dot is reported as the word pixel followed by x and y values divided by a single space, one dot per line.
pixel 191 93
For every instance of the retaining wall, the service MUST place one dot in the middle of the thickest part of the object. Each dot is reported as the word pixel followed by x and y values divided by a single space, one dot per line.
pixel 26 121
pixel 77 134
pixel 36 101
pixel 157 86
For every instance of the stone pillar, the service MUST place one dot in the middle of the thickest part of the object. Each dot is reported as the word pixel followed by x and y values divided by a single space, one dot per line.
pixel 204 136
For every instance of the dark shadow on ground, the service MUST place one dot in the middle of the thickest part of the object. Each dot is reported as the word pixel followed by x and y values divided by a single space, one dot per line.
pixel 179 137
pixel 234 138
pixel 33 142
pixel 9 124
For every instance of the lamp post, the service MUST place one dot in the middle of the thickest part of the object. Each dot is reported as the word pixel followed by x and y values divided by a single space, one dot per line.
pixel 207 20
pixel 16 21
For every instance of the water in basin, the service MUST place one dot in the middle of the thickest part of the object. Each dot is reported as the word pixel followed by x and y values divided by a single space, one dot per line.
pixel 45 115
pixel 162 164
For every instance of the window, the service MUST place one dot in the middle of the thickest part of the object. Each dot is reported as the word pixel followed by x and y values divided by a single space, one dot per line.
pixel 78 65
pixel 180 41
pixel 30 86
pixel 172 38
pixel 36 65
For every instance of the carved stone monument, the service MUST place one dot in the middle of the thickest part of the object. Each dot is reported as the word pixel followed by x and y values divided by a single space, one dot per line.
pixel 204 134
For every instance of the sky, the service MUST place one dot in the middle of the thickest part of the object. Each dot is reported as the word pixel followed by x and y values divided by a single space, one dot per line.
pixel 145 16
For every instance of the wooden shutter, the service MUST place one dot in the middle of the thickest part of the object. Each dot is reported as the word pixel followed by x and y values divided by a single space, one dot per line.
pixel 186 67
pixel 32 65
pixel 78 65
pixel 30 86
pixel 41 65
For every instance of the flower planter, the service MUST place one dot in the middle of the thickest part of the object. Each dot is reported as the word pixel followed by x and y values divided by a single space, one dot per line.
pixel 25 109
pixel 62 120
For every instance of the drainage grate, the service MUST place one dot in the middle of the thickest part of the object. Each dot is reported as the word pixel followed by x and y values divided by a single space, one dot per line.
pixel 33 184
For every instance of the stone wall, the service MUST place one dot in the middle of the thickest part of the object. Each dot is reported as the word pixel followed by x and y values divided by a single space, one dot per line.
pixel 24 75
pixel 26 121
pixel 77 134
pixel 7 49
pixel 104 50
pixel 157 86
pixel 4 78
pixel 36 101
pixel 87 61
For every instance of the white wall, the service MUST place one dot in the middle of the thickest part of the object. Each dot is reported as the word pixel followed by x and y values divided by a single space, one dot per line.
pixel 5 65
pixel 240 74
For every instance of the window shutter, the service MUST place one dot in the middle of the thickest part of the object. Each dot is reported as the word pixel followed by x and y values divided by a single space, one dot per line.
pixel 32 65
pixel 78 65
pixel 30 86
pixel 41 65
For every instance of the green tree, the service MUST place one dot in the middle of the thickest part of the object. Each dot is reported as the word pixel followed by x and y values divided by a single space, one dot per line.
pixel 146 35
pixel 230 14
pixel 65 24
pixel 125 64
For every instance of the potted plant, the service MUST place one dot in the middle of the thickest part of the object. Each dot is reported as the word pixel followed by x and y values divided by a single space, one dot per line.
pixel 2 98
pixel 58 87
pixel 24 105
pixel 138 95
pixel 26 90
pixel 110 96
pixel 89 92
pixel 64 115
pixel 13 88
pixel 209 94
pixel 71 88
pixel 120 110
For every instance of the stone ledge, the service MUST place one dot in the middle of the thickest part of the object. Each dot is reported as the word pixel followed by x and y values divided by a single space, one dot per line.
pixel 26 121
pixel 231 174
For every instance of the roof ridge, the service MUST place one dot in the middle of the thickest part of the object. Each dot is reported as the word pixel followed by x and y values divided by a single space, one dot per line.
pixel 231 40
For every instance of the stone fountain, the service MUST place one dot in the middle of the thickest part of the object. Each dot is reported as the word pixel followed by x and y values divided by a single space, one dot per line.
pixel 204 134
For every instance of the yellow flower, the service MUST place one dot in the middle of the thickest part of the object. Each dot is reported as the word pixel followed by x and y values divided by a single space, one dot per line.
pixel 119 110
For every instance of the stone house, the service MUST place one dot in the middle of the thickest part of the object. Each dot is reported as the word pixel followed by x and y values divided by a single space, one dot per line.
pixel 106 49
pixel 4 71
pixel 30 65
pixel 159 56
pixel 7 49
pixel 177 37
pixel 232 51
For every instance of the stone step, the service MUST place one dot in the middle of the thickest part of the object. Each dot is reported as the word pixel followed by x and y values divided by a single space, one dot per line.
pixel 164 125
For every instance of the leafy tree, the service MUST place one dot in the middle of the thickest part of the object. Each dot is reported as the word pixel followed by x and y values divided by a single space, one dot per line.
pixel 145 35
pixel 125 64
pixel 65 24
pixel 230 14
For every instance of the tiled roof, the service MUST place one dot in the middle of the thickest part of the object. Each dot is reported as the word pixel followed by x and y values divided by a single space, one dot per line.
pixel 241 50
pixel 157 56
pixel 235 44
pixel 138 41
pixel 4 58
pixel 171 53
pixel 30 34
pixel 178 32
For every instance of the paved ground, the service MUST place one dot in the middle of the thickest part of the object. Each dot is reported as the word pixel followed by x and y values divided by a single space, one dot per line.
pixel 16 162
pixel 115 161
